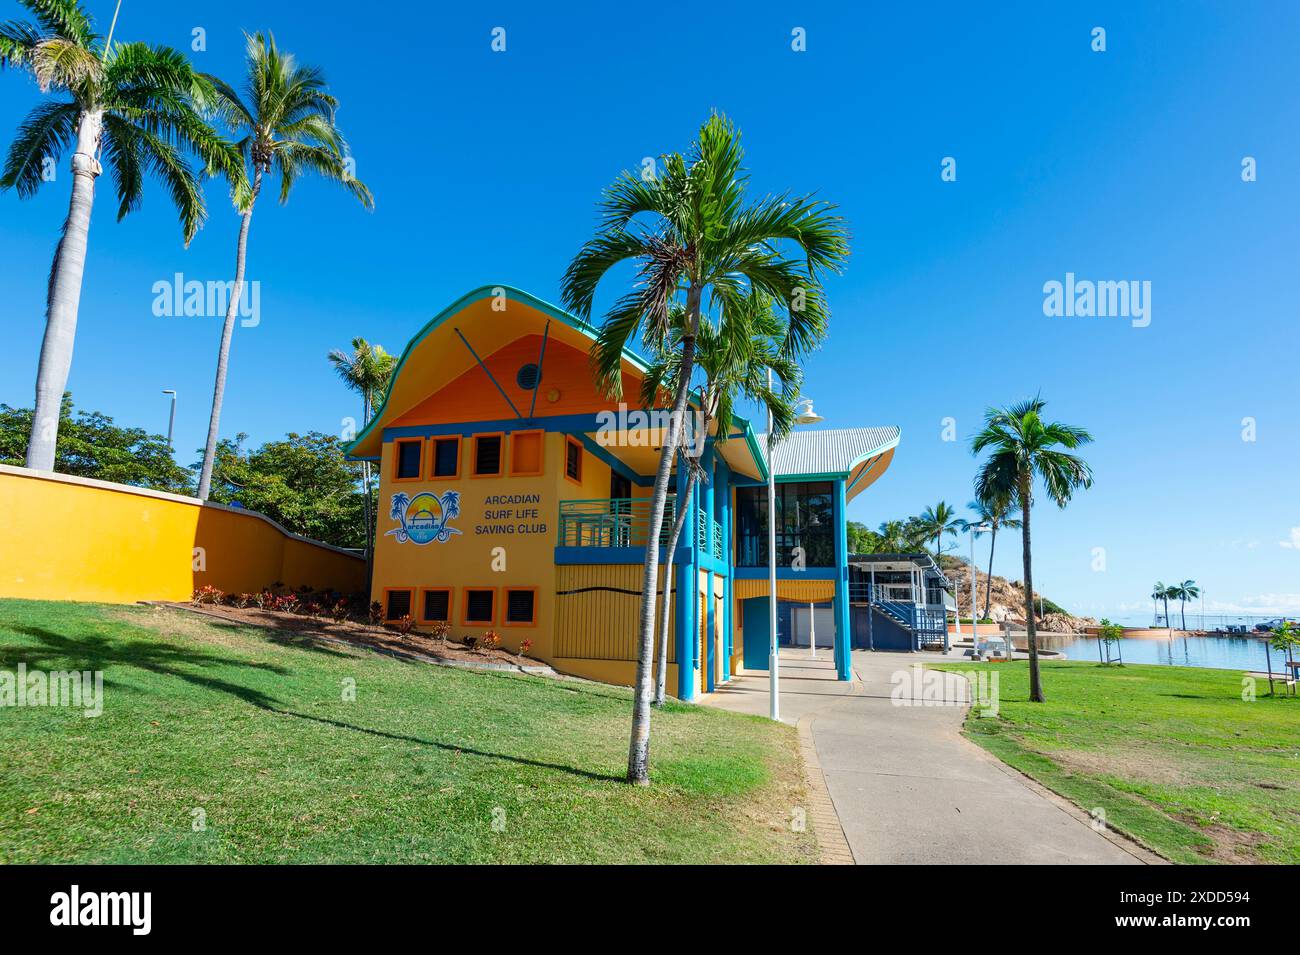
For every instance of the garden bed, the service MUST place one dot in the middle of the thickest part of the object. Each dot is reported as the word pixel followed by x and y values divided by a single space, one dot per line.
pixel 375 636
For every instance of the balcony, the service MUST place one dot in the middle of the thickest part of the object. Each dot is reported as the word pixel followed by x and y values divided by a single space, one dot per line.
pixel 611 522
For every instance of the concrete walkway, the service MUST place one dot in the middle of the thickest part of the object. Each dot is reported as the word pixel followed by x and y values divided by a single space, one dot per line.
pixel 906 785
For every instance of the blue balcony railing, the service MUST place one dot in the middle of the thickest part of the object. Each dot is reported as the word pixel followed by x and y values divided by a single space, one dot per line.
pixel 611 522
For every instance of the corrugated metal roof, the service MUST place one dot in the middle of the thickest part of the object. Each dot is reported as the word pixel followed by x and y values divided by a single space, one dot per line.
pixel 831 451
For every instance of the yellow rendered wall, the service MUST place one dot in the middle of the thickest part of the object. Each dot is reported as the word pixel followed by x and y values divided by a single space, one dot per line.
pixel 480 555
pixel 65 538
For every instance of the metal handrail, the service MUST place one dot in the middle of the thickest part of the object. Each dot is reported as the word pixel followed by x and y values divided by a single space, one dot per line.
pixel 611 522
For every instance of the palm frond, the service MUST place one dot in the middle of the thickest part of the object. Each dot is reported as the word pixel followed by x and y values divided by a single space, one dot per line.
pixel 45 134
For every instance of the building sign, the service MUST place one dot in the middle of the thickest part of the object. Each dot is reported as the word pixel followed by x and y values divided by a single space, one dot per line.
pixel 424 518
pixel 511 514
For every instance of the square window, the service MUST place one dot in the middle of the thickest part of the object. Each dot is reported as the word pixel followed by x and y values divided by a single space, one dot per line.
pixel 487 454
pixel 437 606
pixel 526 452
pixel 397 604
pixel 573 461
pixel 521 606
pixel 446 457
pixel 408 459
pixel 479 605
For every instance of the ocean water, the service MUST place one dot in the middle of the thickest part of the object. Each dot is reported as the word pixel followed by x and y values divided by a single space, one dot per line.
pixel 1227 653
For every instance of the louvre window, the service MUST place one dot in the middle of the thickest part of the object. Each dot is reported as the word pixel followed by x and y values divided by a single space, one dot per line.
pixel 408 459
pixel 573 461
pixel 446 457
pixel 437 605
pixel 399 605
pixel 478 606
pixel 520 606
pixel 487 454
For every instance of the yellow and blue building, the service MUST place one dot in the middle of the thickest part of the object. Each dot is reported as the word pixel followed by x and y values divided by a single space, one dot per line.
pixel 515 497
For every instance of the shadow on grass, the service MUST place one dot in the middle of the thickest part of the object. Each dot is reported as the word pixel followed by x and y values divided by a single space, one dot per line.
pixel 60 651
pixel 453 748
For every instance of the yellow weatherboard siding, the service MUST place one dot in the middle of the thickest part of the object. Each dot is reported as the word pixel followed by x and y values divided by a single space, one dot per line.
pixel 67 538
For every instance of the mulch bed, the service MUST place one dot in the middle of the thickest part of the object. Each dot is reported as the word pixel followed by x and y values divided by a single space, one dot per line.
pixel 363 634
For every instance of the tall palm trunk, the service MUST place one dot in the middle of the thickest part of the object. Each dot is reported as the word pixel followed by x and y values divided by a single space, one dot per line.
pixel 638 755
pixel 64 297
pixel 1168 624
pixel 661 676
pixel 1182 610
pixel 223 356
pixel 988 580
pixel 1035 684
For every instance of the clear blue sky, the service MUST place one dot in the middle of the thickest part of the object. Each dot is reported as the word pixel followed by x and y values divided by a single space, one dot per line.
pixel 1117 165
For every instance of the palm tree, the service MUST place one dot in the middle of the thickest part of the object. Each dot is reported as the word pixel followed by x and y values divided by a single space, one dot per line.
pixel 135 106
pixel 1158 593
pixel 285 122
pixel 1184 592
pixel 937 521
pixel 366 371
pixel 894 537
pixel 994 515
pixel 734 358
pixel 693 238
pixel 1024 447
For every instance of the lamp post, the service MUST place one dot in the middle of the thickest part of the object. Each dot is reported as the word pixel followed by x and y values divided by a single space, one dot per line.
pixel 806 416
pixel 171 419
pixel 974 593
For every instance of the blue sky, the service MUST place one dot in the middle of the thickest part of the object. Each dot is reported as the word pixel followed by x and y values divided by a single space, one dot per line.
pixel 1115 165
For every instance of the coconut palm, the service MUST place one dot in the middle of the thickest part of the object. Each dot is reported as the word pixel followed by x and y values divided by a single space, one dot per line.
pixel 284 121
pixel 136 107
pixel 367 371
pixel 1158 594
pixel 1025 448
pixel 734 358
pixel 993 515
pixel 937 521
pixel 696 243
pixel 894 537
pixel 1184 592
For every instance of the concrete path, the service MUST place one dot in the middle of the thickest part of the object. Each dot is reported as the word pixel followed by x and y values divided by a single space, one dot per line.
pixel 907 786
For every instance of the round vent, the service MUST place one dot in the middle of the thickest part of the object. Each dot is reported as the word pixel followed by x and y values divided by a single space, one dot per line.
pixel 528 377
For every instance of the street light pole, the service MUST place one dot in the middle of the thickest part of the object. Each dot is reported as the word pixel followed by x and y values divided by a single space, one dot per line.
pixel 171 419
pixel 974 593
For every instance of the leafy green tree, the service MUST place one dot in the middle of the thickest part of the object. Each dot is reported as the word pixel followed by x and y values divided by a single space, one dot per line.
pixel 91 445
pixel 1024 450
pixel 284 123
pixel 894 537
pixel 862 539
pixel 136 107
pixel 696 243
pixel 734 358
pixel 303 482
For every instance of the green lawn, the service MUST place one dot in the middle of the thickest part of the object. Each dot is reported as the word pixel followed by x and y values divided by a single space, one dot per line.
pixel 200 715
pixel 1173 755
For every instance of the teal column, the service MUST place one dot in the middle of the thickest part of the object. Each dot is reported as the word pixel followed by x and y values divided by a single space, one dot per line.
pixel 710 612
pixel 843 639
pixel 687 586
pixel 722 502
